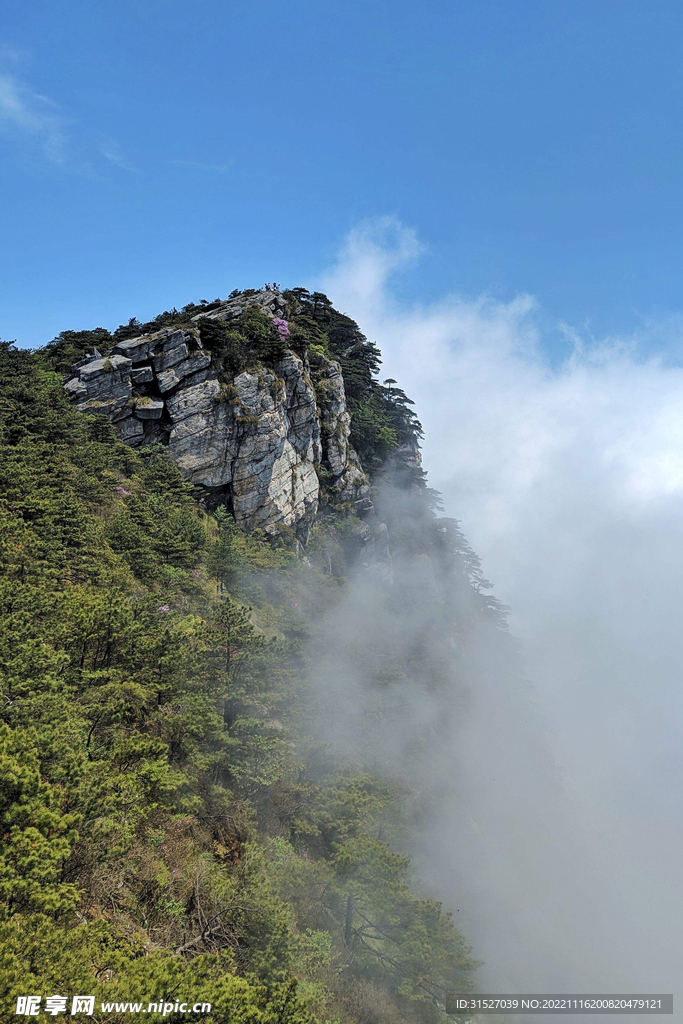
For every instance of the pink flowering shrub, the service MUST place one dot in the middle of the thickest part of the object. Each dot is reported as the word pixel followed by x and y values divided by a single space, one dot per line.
pixel 121 491
pixel 282 326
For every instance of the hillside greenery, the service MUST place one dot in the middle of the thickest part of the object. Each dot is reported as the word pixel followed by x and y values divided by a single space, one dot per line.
pixel 168 826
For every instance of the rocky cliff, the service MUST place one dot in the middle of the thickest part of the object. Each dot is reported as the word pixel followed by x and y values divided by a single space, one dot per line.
pixel 264 436
pixel 192 716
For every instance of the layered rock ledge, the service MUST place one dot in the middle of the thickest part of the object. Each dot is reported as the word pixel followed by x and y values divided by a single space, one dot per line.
pixel 261 438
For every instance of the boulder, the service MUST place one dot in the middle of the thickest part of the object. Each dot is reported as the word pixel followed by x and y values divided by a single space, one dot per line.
pixel 102 385
pixel 148 408
pixel 142 375
pixel 104 366
pixel 174 351
pixel 135 349
pixel 76 388
pixel 131 431
pixel 145 347
pixel 170 378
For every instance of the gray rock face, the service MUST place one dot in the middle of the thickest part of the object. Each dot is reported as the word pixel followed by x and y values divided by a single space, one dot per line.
pixel 274 481
pixel 334 417
pixel 168 379
pixel 103 385
pixel 148 409
pixel 201 434
pixel 131 431
pixel 166 345
pixel 76 388
pixel 135 349
pixel 269 300
pixel 264 444
pixel 350 481
pixel 261 438
pixel 143 375
pixel 170 355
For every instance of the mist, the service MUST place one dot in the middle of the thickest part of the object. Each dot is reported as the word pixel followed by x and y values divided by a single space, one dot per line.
pixel 548 775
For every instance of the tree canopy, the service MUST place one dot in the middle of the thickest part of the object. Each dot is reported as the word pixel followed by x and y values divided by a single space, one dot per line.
pixel 163 829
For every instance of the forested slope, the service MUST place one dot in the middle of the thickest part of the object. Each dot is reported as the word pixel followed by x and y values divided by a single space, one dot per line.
pixel 171 827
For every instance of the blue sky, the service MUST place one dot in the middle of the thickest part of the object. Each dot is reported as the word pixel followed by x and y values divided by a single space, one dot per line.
pixel 154 152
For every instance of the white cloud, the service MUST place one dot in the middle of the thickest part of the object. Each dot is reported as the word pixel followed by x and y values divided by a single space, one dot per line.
pixel 371 252
pixel 569 482
pixel 503 427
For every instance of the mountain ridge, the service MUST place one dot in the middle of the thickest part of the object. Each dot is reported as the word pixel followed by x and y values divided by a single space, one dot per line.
pixel 159 683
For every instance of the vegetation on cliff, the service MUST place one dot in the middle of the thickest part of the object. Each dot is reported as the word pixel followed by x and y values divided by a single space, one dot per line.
pixel 382 418
pixel 169 827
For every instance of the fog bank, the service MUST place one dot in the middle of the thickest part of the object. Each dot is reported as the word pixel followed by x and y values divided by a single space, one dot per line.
pixel 568 479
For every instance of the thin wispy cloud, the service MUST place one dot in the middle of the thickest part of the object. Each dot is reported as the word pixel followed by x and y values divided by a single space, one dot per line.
pixel 27 113
pixel 32 120
pixel 112 151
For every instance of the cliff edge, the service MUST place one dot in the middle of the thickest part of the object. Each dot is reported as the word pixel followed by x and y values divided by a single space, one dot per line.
pixel 249 405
